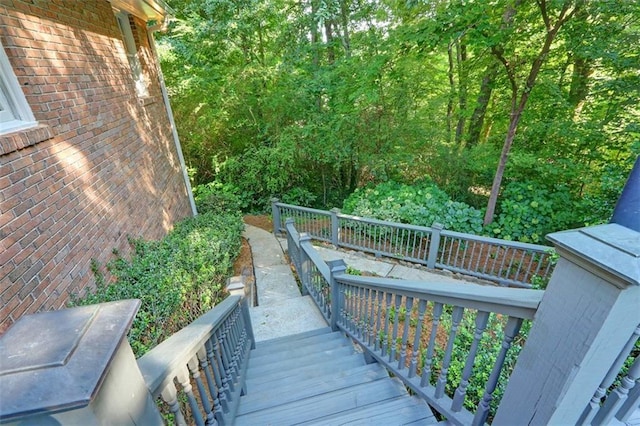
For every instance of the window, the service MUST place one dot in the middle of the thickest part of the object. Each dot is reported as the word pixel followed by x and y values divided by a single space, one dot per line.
pixel 15 113
pixel 132 54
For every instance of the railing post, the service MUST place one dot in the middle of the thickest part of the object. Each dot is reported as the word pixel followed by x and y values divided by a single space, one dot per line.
pixel 275 215
pixel 335 227
pixel 336 267
pixel 434 244
pixel 585 319
pixel 78 368
pixel 305 264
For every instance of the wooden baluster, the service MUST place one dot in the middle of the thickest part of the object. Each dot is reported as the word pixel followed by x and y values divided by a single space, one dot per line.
pixel 218 374
pixel 348 316
pixel 616 399
pixel 594 405
pixel 426 371
pixel 364 320
pixel 387 317
pixel 405 334
pixel 630 405
pixel 227 383
pixel 193 366
pixel 378 331
pixel 183 378
pixel 396 320
pixel 206 366
pixel 170 395
pixel 456 317
pixel 413 365
pixel 482 318
pixel 511 329
pixel 372 318
pixel 229 350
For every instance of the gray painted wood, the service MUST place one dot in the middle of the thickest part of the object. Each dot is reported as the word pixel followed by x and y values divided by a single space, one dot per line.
pixel 289 384
pixel 292 376
pixel 585 318
pixel 256 369
pixel 326 404
pixel 306 388
pixel 391 412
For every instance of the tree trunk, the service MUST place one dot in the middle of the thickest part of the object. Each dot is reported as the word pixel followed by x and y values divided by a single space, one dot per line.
pixel 452 89
pixel 518 106
pixel 482 103
pixel 344 18
pixel 461 56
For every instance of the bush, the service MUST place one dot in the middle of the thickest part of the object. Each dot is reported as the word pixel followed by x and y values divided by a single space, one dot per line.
pixel 419 204
pixel 177 278
pixel 529 211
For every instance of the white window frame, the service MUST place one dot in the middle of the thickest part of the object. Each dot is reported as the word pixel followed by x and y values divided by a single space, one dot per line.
pixel 15 112
pixel 132 53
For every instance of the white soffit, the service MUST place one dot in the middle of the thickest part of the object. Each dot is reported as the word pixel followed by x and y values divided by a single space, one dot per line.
pixel 147 10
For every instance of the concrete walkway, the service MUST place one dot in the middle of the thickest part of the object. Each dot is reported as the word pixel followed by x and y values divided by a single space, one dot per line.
pixel 281 309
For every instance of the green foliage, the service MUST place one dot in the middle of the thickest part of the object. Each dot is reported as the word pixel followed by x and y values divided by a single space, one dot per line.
pixel 177 278
pixel 310 103
pixel 421 204
pixel 260 174
pixel 488 349
pixel 218 198
pixel 529 211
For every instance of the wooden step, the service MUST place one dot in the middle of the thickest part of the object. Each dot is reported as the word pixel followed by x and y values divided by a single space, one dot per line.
pixel 307 371
pixel 256 369
pixel 326 404
pixel 310 387
pixel 318 377
pixel 299 336
pixel 399 411
pixel 299 348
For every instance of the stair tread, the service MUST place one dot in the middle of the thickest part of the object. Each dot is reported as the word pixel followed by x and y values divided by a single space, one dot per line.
pixel 320 406
pixel 306 388
pixel 318 368
pixel 399 411
pixel 301 347
pixel 299 336
pixel 256 369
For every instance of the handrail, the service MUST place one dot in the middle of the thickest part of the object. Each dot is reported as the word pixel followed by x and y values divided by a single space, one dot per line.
pixel 508 263
pixel 215 345
pixel 521 303
pixel 414 328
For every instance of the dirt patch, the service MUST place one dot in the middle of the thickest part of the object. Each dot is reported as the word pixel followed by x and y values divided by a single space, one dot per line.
pixel 259 221
pixel 244 262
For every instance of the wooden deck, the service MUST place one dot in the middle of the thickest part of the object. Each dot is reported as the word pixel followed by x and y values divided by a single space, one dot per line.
pixel 318 377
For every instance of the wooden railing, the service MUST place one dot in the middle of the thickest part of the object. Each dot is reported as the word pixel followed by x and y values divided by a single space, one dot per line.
pixel 211 352
pixel 508 263
pixel 418 330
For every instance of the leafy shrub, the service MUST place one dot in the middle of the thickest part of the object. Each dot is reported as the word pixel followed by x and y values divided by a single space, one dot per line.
pixel 529 211
pixel 177 278
pixel 217 197
pixel 260 174
pixel 420 204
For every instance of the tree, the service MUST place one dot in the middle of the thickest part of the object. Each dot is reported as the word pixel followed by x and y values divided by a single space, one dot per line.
pixel 520 92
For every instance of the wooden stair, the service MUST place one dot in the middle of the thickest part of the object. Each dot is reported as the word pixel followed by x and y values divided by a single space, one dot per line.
pixel 318 378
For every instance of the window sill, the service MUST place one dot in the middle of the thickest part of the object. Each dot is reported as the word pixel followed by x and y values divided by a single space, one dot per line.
pixel 20 139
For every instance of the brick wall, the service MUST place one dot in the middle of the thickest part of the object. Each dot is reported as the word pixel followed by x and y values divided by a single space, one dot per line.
pixel 100 166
